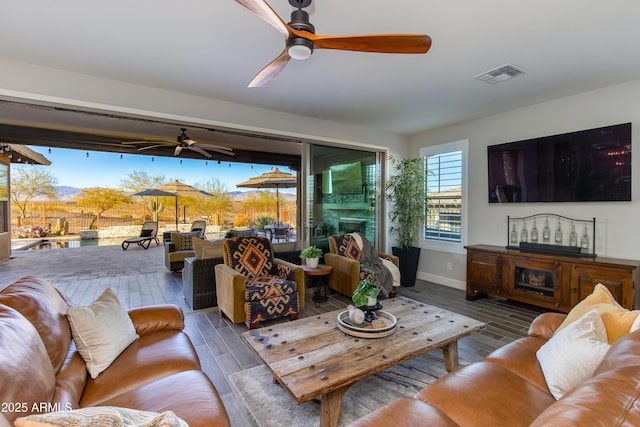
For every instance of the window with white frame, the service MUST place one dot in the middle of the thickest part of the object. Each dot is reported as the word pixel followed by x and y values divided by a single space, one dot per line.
pixel 445 224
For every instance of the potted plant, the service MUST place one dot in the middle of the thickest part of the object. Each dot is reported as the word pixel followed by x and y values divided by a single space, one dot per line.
pixel 406 191
pixel 312 256
pixel 366 294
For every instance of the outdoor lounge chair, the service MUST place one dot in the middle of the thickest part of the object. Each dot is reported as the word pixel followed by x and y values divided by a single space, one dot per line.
pixel 200 227
pixel 147 234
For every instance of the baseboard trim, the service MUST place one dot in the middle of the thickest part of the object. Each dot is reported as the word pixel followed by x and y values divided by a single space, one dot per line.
pixel 445 281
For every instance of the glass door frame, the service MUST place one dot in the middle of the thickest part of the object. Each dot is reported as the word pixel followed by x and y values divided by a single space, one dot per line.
pixel 308 188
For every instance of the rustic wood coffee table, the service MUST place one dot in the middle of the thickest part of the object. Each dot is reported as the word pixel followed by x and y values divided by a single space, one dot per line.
pixel 312 358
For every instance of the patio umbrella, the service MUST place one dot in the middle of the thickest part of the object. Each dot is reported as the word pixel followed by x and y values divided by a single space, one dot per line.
pixel 154 193
pixel 275 179
pixel 176 189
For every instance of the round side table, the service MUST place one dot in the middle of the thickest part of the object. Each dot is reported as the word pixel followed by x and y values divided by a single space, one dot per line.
pixel 319 285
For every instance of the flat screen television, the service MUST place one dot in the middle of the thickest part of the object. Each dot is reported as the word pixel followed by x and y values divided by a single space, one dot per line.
pixel 586 166
pixel 345 178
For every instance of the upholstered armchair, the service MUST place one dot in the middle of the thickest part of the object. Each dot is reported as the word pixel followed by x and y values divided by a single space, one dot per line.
pixel 345 256
pixel 253 286
pixel 177 249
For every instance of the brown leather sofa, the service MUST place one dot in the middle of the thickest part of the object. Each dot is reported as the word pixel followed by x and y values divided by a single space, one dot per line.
pixel 508 388
pixel 41 371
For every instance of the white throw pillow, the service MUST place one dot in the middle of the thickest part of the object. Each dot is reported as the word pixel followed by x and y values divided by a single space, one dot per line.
pixel 573 354
pixel 101 331
pixel 635 325
pixel 97 416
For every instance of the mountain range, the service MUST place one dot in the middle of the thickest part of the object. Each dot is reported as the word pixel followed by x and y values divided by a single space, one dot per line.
pixel 67 193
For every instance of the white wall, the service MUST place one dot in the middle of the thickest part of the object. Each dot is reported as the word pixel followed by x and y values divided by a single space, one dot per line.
pixel 617 223
pixel 35 83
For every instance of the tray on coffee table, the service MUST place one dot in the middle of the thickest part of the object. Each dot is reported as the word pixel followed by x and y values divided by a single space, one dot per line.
pixel 365 330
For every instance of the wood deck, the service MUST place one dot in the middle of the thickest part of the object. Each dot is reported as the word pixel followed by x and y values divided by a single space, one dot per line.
pixel 139 278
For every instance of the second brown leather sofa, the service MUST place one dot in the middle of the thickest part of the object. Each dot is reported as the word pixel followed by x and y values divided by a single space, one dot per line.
pixel 40 368
pixel 508 388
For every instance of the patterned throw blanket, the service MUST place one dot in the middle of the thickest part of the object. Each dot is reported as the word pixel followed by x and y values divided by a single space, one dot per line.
pixel 371 265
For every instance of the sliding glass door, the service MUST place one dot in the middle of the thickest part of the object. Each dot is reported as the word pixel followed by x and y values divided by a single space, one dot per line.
pixel 343 193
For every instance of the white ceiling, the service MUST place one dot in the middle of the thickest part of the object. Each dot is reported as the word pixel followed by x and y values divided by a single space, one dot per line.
pixel 213 49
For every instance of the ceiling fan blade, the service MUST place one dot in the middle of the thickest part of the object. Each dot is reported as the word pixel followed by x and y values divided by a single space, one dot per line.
pixel 199 150
pixel 160 141
pixel 152 146
pixel 263 11
pixel 222 150
pixel 381 43
pixel 271 71
pixel 213 146
pixel 177 151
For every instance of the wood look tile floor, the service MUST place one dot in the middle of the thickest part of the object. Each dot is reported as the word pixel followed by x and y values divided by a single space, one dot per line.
pixel 139 278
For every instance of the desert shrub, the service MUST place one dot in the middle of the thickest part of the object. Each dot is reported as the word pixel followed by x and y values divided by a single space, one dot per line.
pixel 263 220
pixel 241 220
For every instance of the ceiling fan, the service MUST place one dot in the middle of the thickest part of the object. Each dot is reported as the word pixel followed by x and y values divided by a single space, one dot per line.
pixel 301 39
pixel 183 142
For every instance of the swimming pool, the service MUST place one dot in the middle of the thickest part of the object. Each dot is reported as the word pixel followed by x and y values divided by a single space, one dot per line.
pixel 71 243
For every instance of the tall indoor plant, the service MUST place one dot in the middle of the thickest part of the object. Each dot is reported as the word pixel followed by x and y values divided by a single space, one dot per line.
pixel 407 193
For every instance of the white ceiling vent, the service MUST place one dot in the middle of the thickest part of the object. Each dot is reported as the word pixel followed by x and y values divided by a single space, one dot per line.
pixel 500 74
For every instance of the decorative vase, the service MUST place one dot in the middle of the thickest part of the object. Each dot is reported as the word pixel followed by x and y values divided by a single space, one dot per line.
pixel 355 315
pixel 313 262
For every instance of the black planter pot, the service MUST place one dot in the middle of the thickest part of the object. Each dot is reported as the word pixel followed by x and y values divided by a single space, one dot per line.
pixel 408 260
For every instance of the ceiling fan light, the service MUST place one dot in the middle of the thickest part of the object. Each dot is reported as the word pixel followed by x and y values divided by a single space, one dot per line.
pixel 299 52
pixel 300 48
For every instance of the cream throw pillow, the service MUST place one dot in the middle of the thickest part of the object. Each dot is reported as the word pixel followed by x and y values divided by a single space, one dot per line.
pixel 101 331
pixel 102 416
pixel 617 319
pixel 572 356
pixel 205 249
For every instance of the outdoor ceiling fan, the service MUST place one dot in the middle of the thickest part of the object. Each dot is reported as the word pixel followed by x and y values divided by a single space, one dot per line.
pixel 301 39
pixel 183 142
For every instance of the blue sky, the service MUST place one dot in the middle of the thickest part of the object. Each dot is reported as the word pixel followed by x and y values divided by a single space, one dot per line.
pixel 74 169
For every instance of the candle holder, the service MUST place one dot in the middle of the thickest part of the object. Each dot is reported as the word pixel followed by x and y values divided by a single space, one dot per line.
pixel 569 243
